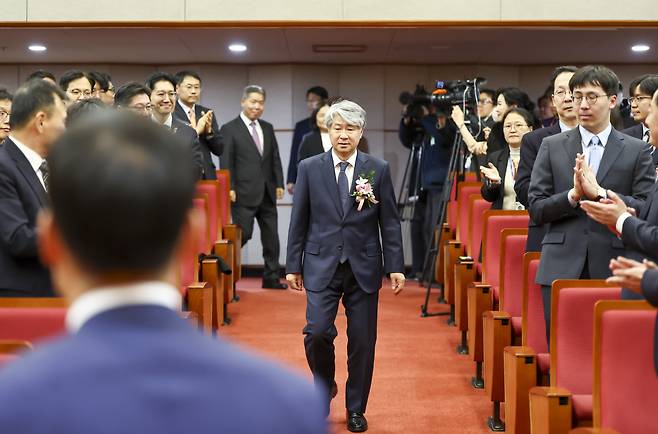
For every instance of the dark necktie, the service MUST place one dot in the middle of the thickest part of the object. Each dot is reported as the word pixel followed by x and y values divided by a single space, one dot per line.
pixel 645 137
pixel 343 187
pixel 44 173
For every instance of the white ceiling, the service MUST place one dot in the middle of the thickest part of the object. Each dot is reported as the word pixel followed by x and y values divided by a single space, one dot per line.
pixel 459 45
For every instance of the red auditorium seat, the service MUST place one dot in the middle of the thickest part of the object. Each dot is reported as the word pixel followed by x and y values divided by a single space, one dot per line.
pixel 196 295
pixel 498 329
pixel 522 367
pixel 32 324
pixel 230 231
pixel 625 391
pixel 568 401
pixel 467 268
pixel 453 249
pixel 482 294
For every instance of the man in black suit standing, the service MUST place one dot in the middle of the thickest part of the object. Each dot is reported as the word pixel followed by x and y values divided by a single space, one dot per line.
pixel 576 246
pixel 5 113
pixel 163 98
pixel 567 120
pixel 201 118
pixel 641 90
pixel 37 120
pixel 251 154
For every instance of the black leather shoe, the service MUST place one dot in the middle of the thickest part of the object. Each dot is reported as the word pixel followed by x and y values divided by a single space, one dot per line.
pixel 356 422
pixel 274 284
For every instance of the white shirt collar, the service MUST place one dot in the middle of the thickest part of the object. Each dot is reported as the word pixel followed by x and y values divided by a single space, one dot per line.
pixel 167 123
pixel 248 121
pixel 336 158
pixel 644 130
pixel 186 108
pixel 32 156
pixel 587 135
pixel 326 141
pixel 564 127
pixel 99 300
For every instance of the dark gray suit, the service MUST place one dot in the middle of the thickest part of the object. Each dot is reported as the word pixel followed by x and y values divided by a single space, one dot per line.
pixel 22 196
pixel 209 143
pixel 634 131
pixel 321 233
pixel 495 193
pixel 254 178
pixel 529 149
pixel 189 136
pixel 574 245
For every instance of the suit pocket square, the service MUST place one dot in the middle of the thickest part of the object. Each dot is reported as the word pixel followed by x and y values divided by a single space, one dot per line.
pixel 312 248
pixel 553 238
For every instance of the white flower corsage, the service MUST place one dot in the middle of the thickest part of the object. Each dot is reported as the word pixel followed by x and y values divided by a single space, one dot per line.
pixel 363 190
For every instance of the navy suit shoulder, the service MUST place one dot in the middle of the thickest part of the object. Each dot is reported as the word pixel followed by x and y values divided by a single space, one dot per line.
pixel 634 131
pixel 143 369
pixel 302 128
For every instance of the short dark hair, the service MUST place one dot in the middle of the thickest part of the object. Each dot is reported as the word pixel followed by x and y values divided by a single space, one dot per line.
pixel 561 70
pixel 517 97
pixel 102 79
pixel 525 114
pixel 490 92
pixel 128 91
pixel 159 76
pixel 82 110
pixel 5 95
pixel 597 75
pixel 71 75
pixel 319 91
pixel 32 97
pixel 313 119
pixel 180 75
pixel 121 187
pixel 647 83
pixel 40 74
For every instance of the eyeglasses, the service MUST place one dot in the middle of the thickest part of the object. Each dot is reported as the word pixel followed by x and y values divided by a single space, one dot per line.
pixel 517 126
pixel 171 95
pixel 4 115
pixel 77 92
pixel 590 97
pixel 192 87
pixel 562 94
pixel 638 99
pixel 485 101
pixel 141 108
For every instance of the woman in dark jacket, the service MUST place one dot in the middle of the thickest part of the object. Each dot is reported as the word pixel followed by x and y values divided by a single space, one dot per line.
pixel 501 166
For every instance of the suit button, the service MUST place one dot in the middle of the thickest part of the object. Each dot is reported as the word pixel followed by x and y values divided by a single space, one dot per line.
pixel 340 247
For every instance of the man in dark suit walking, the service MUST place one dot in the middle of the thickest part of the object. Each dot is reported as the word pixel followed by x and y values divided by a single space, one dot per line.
pixel 567 120
pixel 37 119
pixel 163 98
pixel 117 267
pixel 201 118
pixel 576 246
pixel 251 154
pixel 334 243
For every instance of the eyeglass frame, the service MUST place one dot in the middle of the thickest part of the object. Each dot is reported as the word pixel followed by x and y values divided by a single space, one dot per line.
pixel 591 98
pixel 562 94
pixel 78 92
pixel 632 99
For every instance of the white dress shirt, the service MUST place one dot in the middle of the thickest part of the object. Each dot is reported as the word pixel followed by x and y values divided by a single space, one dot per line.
pixel 564 127
pixel 586 137
pixel 33 158
pixel 186 109
pixel 349 171
pixel 167 121
pixel 326 141
pixel 99 300
pixel 259 130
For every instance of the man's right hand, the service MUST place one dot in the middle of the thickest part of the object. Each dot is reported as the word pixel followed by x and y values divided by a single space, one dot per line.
pixel 295 281
pixel 231 195
pixel 577 191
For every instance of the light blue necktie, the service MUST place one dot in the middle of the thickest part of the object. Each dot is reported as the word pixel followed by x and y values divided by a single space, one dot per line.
pixel 595 153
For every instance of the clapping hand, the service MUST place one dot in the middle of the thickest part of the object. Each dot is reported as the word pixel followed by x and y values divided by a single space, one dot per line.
pixel 606 211
pixel 491 173
pixel 628 273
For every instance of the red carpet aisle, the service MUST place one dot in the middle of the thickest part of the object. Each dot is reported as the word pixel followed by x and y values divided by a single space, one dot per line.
pixel 421 385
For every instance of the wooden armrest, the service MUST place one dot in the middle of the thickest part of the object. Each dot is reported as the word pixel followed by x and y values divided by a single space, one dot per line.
pixel 224 249
pixel 10 346
pixel 199 301
pixel 497 334
pixel 210 273
pixel 479 301
pixel 593 431
pixel 520 366
pixel 233 233
pixel 497 315
pixel 550 410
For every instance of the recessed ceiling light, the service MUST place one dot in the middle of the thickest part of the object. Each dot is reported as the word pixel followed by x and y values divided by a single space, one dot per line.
pixel 237 48
pixel 640 48
pixel 37 48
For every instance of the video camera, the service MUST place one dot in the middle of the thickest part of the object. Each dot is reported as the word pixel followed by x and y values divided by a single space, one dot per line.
pixel 445 95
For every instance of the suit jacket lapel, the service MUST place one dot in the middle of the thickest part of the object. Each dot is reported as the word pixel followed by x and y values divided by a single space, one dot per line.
pixel 329 175
pixel 28 173
pixel 247 135
pixel 573 145
pixel 613 148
